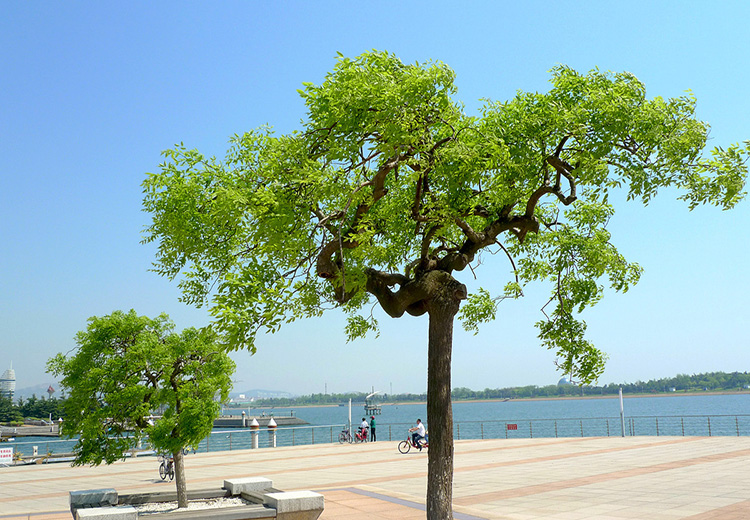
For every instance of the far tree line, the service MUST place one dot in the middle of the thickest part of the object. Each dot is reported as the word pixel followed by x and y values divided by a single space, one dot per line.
pixel 710 381
pixel 31 408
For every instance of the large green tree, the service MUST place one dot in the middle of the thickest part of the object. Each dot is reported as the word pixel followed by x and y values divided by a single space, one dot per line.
pixel 127 368
pixel 389 190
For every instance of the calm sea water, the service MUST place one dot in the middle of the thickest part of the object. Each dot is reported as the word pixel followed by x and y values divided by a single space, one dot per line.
pixel 665 415
pixel 529 409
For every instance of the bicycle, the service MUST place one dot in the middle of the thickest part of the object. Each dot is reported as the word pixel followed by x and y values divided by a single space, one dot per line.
pixel 166 468
pixel 345 436
pixel 362 435
pixel 405 446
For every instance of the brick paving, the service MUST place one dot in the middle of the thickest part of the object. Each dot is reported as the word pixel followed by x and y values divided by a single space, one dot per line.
pixel 695 478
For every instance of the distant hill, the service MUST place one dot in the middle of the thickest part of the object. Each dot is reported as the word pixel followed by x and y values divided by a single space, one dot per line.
pixel 37 390
pixel 257 393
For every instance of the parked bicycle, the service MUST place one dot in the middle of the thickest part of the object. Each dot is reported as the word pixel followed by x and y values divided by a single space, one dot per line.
pixel 359 436
pixel 408 444
pixel 362 435
pixel 166 468
pixel 345 436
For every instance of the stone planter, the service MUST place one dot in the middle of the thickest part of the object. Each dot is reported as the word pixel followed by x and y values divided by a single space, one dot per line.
pixel 265 502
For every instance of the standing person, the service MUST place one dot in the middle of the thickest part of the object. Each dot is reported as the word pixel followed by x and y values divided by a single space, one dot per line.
pixel 372 428
pixel 363 428
pixel 418 434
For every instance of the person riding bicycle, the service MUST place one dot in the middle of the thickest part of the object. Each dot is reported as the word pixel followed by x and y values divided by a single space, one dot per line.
pixel 418 433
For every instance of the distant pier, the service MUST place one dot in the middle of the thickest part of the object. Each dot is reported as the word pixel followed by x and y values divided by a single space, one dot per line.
pixel 7 432
pixel 225 421
pixel 236 421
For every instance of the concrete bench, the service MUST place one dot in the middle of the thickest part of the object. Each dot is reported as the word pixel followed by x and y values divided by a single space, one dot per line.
pixel 91 499
pixel 289 505
pixel 266 502
pixel 237 486
pixel 107 513
pixel 296 505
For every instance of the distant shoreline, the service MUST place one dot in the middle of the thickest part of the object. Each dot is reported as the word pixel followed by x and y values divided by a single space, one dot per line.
pixel 544 398
pixel 609 396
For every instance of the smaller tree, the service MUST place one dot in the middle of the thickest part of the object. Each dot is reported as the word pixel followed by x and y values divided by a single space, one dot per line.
pixel 127 367
pixel 8 412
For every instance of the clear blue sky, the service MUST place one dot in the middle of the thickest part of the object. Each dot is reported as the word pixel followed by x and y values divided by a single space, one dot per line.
pixel 92 92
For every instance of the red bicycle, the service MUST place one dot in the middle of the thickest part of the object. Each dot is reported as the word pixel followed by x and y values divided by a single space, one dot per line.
pixel 405 446
pixel 361 435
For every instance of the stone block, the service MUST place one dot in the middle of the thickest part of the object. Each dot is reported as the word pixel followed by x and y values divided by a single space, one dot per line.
pixel 296 505
pixel 248 484
pixel 92 497
pixel 107 513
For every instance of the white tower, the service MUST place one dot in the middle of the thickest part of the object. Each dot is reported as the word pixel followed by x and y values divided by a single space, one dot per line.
pixel 8 383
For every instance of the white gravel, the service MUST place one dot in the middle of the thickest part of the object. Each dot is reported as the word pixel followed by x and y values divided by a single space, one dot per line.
pixel 161 507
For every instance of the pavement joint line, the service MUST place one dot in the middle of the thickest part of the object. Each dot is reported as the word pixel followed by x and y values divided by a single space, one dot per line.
pixel 37 516
pixel 605 468
pixel 375 480
pixel 738 511
pixel 400 501
pixel 595 479
pixel 564 456
pixel 206 461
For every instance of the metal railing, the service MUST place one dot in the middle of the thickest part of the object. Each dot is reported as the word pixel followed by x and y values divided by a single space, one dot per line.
pixel 218 440
pixel 241 439
pixel 684 425
pixel 285 436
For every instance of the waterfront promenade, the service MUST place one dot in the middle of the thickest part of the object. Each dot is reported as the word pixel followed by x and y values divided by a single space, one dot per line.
pixel 696 478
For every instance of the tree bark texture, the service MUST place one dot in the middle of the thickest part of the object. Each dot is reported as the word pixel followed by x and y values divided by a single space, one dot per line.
pixel 179 478
pixel 442 308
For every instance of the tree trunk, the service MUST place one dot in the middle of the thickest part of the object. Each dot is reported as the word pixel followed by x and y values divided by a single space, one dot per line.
pixel 442 309
pixel 179 478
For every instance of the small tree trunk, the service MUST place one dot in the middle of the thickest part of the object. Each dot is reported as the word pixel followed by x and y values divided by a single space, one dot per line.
pixel 179 478
pixel 442 310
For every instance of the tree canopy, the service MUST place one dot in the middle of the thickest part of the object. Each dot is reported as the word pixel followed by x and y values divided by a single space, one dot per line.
pixel 389 181
pixel 128 368
pixel 389 190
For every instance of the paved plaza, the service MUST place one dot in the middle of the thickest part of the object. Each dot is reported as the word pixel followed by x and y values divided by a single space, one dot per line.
pixel 697 478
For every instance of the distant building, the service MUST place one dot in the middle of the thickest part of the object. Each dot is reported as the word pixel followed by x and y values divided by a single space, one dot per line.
pixel 564 382
pixel 8 383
